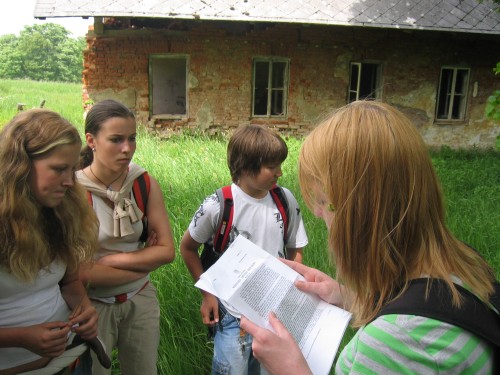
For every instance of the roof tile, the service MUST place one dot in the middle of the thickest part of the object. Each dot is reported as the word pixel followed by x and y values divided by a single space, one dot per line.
pixel 451 15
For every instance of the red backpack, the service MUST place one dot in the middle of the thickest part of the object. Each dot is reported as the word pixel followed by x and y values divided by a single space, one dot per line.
pixel 212 252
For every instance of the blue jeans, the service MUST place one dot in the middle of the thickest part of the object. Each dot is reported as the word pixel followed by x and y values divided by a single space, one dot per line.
pixel 232 352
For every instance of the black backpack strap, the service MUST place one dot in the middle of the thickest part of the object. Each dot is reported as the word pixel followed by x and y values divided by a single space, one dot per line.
pixel 221 236
pixel 473 316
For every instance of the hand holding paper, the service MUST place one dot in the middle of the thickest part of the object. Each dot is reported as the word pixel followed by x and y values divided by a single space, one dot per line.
pixel 251 282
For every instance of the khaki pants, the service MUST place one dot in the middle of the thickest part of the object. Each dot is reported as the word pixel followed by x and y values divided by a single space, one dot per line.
pixel 133 327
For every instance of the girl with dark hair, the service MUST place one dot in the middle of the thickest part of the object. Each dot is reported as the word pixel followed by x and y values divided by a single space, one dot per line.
pixel 129 312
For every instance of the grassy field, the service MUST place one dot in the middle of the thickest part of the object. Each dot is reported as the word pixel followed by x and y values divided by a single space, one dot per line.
pixel 190 167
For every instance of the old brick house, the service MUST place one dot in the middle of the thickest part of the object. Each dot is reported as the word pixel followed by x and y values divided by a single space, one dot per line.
pixel 285 63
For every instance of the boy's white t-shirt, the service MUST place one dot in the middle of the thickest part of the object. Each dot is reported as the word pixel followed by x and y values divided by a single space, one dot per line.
pixel 259 220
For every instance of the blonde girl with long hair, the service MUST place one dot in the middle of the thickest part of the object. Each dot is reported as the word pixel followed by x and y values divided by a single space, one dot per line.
pixel 367 173
pixel 46 230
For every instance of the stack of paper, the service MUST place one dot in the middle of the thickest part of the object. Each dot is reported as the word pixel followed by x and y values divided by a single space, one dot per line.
pixel 251 282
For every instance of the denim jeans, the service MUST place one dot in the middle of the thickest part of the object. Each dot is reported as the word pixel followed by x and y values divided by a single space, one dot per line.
pixel 232 352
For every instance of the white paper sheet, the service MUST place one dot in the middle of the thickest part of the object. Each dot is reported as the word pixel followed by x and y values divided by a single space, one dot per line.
pixel 253 283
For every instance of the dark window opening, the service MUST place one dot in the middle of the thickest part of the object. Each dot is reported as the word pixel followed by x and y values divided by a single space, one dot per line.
pixel 270 85
pixel 168 85
pixel 364 81
pixel 452 94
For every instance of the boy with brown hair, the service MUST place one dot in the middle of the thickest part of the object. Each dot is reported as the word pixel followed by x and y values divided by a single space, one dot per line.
pixel 254 156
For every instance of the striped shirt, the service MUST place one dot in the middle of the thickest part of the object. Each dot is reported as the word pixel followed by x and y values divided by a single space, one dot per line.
pixel 409 344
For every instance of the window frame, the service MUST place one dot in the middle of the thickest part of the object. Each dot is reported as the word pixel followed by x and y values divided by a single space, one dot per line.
pixel 167 56
pixel 449 103
pixel 284 89
pixel 378 81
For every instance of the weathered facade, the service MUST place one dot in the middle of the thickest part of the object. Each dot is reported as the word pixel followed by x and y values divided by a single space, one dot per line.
pixel 218 74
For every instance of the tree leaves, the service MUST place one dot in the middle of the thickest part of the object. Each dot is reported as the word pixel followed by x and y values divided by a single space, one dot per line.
pixel 42 53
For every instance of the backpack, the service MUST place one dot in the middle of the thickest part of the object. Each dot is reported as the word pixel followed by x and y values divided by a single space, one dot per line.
pixel 212 252
pixel 474 315
pixel 140 189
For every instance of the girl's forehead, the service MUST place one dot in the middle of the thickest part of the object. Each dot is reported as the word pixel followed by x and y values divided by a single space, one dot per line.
pixel 118 125
pixel 64 154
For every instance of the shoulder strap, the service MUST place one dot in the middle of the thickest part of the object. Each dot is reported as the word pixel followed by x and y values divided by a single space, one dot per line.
pixel 474 315
pixel 140 189
pixel 225 195
pixel 279 198
pixel 89 197
pixel 221 237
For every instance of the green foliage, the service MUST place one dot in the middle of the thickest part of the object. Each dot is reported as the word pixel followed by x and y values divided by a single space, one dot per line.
pixel 42 53
pixel 496 2
pixel 492 110
pixel 10 62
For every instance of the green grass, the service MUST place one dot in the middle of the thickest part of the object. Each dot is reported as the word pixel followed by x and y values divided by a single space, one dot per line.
pixel 190 167
pixel 65 98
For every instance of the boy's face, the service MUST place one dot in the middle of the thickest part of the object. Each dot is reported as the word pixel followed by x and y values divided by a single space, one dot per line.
pixel 257 185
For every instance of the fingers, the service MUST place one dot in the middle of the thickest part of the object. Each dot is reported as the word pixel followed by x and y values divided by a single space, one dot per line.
pixel 54 325
pixel 278 327
pixel 81 314
pixel 215 315
pixel 259 332
pixel 55 344
pixel 77 311
pixel 51 341
pixel 209 309
pixel 298 267
pixel 304 286
pixel 85 323
pixel 210 316
pixel 250 327
pixel 87 330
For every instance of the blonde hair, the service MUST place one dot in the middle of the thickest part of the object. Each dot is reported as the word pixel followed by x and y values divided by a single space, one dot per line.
pixel 34 236
pixel 389 220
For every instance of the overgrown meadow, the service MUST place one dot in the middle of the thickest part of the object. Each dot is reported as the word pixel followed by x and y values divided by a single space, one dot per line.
pixel 189 167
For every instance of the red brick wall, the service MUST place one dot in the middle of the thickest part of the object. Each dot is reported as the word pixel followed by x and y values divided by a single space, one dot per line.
pixel 220 62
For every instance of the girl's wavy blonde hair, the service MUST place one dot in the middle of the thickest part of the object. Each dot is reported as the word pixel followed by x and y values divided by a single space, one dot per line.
pixel 389 220
pixel 33 236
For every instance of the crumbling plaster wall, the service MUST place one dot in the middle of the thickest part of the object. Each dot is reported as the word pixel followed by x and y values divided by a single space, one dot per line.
pixel 220 74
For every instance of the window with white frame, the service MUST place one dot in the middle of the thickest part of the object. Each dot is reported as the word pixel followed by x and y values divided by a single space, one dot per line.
pixel 452 94
pixel 364 81
pixel 270 87
pixel 168 85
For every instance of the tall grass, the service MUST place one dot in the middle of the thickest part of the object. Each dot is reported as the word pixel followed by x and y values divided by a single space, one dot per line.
pixel 65 98
pixel 190 167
